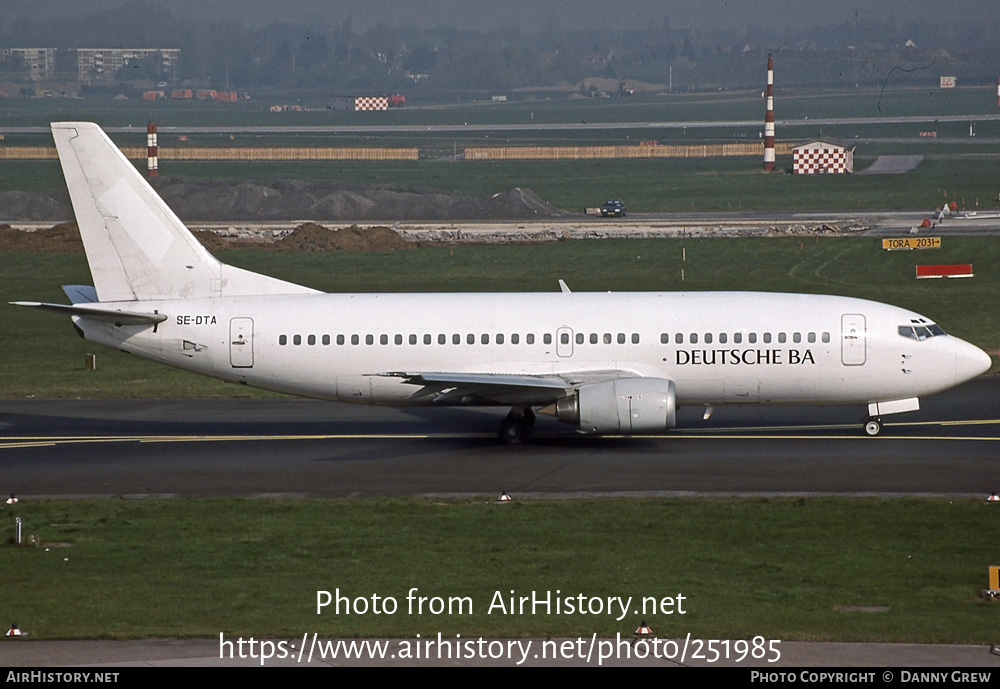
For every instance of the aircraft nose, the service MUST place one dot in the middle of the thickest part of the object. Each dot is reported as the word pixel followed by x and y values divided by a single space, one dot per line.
pixel 970 361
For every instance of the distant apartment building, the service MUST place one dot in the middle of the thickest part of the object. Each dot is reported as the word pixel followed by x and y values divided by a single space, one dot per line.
pixel 39 62
pixel 102 64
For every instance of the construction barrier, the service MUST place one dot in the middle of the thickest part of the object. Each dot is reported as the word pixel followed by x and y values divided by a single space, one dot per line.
pixel 646 151
pixel 230 153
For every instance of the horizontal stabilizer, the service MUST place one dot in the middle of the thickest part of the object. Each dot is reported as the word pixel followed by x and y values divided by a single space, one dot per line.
pixel 98 314
pixel 81 294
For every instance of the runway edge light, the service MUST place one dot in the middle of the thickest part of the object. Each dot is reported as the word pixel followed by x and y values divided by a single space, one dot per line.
pixel 504 497
pixel 13 631
pixel 12 500
pixel 643 629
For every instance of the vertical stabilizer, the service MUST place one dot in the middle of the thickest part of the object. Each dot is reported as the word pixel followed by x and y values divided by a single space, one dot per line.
pixel 137 248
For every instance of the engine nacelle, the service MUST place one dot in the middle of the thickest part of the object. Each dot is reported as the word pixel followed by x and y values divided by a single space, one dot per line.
pixel 626 405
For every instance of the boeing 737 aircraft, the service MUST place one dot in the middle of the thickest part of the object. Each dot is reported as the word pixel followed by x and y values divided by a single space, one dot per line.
pixel 604 362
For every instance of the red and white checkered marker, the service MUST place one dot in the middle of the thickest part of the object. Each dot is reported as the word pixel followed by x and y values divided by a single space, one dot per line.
pixel 643 629
pixel 14 631
pixel 503 497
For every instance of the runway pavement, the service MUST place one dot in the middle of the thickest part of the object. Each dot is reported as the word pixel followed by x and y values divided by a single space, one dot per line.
pixel 306 448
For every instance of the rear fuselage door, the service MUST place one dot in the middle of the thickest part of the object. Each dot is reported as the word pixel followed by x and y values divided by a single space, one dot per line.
pixel 241 342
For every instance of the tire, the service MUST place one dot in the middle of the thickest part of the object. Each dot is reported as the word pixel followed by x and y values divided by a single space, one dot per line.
pixel 873 427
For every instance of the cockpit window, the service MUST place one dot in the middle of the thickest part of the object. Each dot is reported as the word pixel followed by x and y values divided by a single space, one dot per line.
pixel 920 332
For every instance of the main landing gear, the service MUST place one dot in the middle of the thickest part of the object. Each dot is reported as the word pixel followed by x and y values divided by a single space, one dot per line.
pixel 516 426
pixel 873 426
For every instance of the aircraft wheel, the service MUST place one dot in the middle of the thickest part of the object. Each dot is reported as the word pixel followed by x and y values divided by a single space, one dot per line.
pixel 516 426
pixel 873 426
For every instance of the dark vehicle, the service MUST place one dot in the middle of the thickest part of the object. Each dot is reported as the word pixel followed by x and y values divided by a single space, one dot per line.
pixel 615 208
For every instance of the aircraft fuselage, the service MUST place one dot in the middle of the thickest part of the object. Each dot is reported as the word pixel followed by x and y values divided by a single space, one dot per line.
pixel 718 347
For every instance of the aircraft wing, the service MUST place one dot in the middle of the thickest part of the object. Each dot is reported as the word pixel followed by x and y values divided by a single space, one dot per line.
pixel 499 388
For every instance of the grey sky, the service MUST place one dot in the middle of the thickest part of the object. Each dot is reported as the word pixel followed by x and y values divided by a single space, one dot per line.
pixel 532 14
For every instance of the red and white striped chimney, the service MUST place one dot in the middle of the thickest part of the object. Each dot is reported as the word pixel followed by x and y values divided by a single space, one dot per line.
pixel 152 154
pixel 769 118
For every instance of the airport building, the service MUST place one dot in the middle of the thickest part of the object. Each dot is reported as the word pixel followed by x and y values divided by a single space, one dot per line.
pixel 102 64
pixel 39 62
pixel 822 158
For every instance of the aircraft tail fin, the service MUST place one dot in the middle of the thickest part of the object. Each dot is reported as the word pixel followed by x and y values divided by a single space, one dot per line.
pixel 137 248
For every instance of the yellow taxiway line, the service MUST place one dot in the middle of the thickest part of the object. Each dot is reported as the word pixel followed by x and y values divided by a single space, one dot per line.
pixel 733 433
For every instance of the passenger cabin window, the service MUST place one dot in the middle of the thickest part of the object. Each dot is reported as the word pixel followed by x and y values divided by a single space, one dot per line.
pixel 282 339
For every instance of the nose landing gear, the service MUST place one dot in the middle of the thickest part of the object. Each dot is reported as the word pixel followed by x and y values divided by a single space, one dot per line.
pixel 873 426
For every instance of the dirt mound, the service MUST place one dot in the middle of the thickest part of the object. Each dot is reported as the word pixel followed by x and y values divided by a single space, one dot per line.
pixel 22 205
pixel 329 200
pixel 63 238
pixel 313 237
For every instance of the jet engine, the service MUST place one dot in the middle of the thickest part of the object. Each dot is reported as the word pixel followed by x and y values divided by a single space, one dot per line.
pixel 626 405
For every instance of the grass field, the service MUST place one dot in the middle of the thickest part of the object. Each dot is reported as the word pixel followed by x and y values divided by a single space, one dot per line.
pixel 893 101
pixel 665 185
pixel 790 569
pixel 40 354
pixel 958 168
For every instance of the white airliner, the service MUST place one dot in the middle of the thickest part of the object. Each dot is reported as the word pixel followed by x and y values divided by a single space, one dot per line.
pixel 607 363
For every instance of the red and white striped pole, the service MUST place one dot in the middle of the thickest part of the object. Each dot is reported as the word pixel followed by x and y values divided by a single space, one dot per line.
pixel 152 154
pixel 769 118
